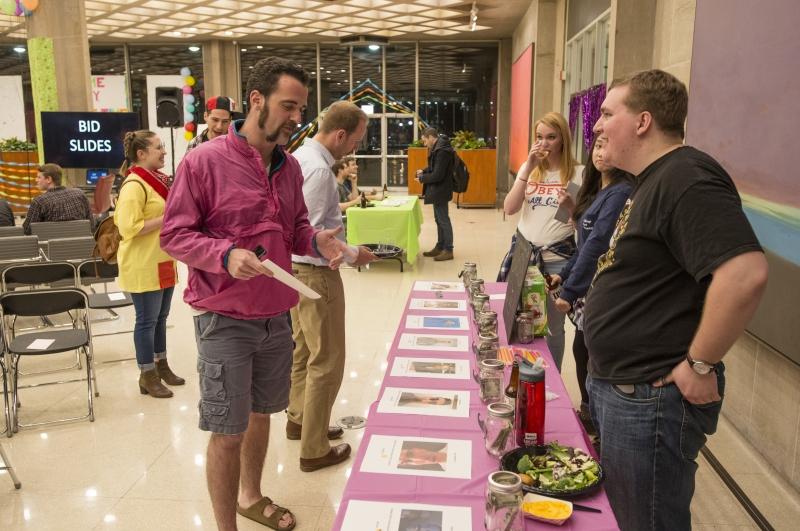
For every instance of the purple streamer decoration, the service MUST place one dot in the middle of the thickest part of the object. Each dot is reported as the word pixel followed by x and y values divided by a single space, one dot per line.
pixel 574 109
pixel 591 100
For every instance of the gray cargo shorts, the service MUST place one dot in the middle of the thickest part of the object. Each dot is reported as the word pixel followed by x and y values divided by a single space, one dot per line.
pixel 244 366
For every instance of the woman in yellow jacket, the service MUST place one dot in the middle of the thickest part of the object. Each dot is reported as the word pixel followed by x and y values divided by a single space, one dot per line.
pixel 145 271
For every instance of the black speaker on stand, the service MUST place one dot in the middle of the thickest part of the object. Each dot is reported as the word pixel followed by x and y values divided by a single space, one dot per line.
pixel 169 113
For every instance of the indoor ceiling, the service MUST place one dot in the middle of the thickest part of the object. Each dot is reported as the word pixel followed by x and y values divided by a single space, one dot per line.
pixel 287 20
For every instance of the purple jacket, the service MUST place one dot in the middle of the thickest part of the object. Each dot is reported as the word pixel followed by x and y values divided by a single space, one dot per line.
pixel 223 197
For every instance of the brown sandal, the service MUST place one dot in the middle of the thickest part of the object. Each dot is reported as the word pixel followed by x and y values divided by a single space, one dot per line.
pixel 256 513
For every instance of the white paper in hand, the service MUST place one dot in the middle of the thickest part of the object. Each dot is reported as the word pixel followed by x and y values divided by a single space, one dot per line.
pixel 285 278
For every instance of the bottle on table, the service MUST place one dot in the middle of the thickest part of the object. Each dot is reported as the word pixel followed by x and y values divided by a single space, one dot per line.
pixel 363 200
pixel 385 191
pixel 513 383
pixel 530 405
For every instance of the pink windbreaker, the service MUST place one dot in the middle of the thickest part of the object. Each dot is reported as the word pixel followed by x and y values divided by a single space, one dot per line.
pixel 222 197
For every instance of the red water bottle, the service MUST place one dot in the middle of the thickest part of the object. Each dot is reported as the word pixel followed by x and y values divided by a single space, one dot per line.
pixel 529 417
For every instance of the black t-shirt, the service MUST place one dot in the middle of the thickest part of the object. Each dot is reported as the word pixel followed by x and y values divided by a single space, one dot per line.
pixel 683 220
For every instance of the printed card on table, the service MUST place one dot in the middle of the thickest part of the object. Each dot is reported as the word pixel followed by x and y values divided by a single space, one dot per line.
pixel 434 402
pixel 434 342
pixel 438 305
pixel 444 322
pixel 418 456
pixel 430 368
pixel 450 287
pixel 365 515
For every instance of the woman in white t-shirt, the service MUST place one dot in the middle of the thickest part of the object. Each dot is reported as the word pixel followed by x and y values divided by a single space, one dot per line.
pixel 548 170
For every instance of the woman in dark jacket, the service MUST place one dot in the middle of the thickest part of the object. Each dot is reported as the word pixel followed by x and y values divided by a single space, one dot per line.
pixel 602 196
pixel 6 215
pixel 437 187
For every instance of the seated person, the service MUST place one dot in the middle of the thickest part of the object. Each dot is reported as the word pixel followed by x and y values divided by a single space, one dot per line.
pixel 6 214
pixel 57 203
pixel 347 197
pixel 351 179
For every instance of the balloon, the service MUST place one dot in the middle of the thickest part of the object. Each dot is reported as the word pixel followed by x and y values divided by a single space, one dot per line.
pixel 189 107
pixel 188 117
pixel 30 5
pixel 189 126
pixel 189 98
pixel 8 7
pixel 185 71
pixel 187 89
pixel 18 10
pixel 189 80
pixel 188 135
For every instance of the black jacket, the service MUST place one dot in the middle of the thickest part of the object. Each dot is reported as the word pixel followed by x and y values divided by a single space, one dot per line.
pixel 437 178
pixel 6 215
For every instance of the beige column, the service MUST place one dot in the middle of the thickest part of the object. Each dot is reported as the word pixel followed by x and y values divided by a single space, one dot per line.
pixel 632 32
pixel 503 118
pixel 58 46
pixel 544 62
pixel 221 74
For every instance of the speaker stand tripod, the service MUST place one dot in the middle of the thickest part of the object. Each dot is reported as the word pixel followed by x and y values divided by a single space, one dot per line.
pixel 172 149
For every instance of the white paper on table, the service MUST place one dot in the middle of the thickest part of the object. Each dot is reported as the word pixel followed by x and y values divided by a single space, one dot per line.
pixel 497 296
pixel 430 368
pixel 433 402
pixel 116 296
pixel 439 322
pixel 393 202
pixel 285 278
pixel 434 342
pixel 418 456
pixel 40 344
pixel 428 285
pixel 365 515
pixel 438 305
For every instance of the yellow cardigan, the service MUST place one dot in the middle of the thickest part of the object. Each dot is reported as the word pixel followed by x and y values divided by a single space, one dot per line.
pixel 143 266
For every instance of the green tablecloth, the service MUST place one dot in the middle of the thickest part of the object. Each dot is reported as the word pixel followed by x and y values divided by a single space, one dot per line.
pixel 395 225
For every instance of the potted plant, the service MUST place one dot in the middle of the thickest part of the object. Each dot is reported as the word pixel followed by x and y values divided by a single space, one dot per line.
pixel 466 140
pixel 19 163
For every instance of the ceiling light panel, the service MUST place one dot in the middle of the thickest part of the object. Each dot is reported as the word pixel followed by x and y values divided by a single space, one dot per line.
pixel 159 4
pixel 407 8
pixel 247 15
pixel 441 32
pixel 340 9
pixel 443 13
pixel 387 33
pixel 382 24
pixel 273 10
pixel 351 20
pixel 439 3
pixel 322 24
pixel 313 15
pixel 367 3
pixel 300 4
pixel 267 26
pixel 410 19
pixel 441 23
pixel 333 33
pixel 210 11
pixel 279 33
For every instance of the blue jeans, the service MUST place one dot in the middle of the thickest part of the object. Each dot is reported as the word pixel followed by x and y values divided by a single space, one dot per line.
pixel 649 441
pixel 150 330
pixel 555 319
pixel 444 228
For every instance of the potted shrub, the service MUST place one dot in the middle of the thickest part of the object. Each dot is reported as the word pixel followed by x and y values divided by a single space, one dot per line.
pixel 19 162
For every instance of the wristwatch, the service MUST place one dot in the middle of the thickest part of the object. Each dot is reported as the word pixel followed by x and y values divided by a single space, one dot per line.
pixel 700 367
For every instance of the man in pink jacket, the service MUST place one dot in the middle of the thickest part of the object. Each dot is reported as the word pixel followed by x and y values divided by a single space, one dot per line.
pixel 233 196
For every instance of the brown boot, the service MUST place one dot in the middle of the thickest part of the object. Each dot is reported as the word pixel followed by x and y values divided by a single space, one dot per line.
pixel 433 252
pixel 336 455
pixel 293 431
pixel 150 384
pixel 444 255
pixel 166 374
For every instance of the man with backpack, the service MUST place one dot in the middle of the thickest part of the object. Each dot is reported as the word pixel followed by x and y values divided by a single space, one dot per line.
pixel 437 188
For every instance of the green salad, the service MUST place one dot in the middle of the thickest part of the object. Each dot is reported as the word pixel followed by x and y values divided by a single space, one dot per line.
pixel 559 469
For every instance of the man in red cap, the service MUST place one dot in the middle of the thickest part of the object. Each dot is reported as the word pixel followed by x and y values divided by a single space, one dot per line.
pixel 219 111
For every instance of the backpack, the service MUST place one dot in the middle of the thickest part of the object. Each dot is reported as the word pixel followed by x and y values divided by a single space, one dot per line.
pixel 107 237
pixel 460 175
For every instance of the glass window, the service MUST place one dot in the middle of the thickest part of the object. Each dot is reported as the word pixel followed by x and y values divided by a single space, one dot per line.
pixel 334 74
pixel 458 88
pixel 400 59
pixel 163 60
pixel 368 66
pixel 303 54
pixel 107 60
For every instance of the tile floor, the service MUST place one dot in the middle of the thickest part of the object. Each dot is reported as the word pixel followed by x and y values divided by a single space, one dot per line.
pixel 140 465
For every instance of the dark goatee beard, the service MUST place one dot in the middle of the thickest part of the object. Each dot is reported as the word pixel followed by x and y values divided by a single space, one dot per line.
pixel 262 119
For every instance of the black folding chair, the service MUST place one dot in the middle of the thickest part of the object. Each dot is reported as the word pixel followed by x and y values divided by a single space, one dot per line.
pixel 51 230
pixel 96 271
pixel 74 250
pixel 16 249
pixel 8 468
pixel 15 347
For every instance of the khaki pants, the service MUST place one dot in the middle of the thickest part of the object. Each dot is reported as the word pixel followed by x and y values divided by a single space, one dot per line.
pixel 319 354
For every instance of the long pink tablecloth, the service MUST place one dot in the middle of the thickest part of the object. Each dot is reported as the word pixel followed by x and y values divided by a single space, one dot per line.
pixel 561 424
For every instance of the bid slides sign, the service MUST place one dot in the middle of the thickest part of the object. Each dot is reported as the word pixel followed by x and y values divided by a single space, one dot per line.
pixel 86 139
